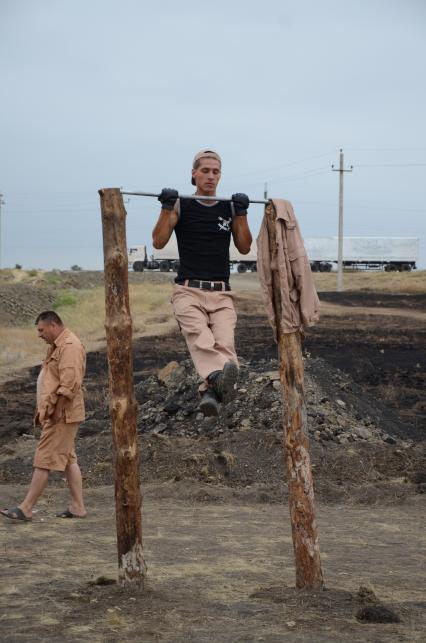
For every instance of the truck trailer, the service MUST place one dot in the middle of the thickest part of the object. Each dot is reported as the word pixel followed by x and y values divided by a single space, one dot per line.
pixel 167 258
pixel 359 253
pixel 363 253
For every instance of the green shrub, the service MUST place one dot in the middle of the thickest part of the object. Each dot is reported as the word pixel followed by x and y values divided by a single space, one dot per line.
pixel 65 298
pixel 52 278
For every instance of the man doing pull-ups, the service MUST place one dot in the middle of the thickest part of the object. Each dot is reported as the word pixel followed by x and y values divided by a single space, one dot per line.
pixel 202 298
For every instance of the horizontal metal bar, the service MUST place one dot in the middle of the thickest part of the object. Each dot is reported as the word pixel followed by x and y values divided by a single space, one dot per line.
pixel 195 196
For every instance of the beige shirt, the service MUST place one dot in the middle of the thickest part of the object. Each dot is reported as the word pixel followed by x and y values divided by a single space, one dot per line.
pixel 300 303
pixel 62 374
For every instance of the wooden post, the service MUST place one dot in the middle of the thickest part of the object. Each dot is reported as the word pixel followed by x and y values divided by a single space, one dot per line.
pixel 296 442
pixel 123 406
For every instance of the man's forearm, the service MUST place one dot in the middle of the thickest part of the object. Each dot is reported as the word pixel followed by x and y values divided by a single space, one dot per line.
pixel 163 229
pixel 241 234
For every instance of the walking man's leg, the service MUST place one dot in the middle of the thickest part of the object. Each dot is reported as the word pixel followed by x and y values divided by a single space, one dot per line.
pixel 37 486
pixel 75 485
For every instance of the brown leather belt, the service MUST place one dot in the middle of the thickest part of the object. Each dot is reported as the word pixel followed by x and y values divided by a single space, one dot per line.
pixel 205 285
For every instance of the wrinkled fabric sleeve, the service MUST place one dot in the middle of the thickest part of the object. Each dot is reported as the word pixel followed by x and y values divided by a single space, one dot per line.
pixel 264 272
pixel 309 304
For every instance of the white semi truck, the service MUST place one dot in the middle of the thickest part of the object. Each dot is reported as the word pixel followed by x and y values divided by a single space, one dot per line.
pixel 364 253
pixel 359 253
pixel 167 258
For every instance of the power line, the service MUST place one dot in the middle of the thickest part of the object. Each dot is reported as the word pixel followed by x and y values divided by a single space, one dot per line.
pixel 360 206
pixel 387 149
pixel 283 165
pixel 391 165
pixel 307 174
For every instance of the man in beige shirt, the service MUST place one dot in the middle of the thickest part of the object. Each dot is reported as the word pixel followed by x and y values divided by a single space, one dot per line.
pixel 60 409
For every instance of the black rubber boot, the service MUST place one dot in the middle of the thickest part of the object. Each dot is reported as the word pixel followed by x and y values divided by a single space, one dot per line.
pixel 209 404
pixel 223 382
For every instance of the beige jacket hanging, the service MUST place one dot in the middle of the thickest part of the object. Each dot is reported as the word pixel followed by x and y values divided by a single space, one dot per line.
pixel 300 303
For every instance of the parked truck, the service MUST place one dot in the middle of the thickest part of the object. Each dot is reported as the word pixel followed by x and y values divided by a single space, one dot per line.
pixel 363 253
pixel 359 253
pixel 167 258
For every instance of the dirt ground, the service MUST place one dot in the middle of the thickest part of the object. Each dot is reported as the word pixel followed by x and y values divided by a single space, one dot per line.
pixel 216 529
pixel 217 573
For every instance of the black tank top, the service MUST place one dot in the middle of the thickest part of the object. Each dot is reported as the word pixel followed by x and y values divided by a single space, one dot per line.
pixel 203 236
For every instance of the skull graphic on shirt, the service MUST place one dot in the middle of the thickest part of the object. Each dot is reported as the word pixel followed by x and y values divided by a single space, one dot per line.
pixel 224 224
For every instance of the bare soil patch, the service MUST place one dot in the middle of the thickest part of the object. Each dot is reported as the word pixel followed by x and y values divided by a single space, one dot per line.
pixel 217 573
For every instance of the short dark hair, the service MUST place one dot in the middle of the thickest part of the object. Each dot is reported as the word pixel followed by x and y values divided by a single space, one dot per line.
pixel 50 316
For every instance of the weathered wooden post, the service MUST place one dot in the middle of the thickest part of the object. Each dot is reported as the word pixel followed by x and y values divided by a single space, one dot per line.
pixel 123 406
pixel 296 442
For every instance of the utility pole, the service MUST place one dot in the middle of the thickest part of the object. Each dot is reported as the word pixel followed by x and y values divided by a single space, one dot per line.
pixel 265 191
pixel 340 239
pixel 1 203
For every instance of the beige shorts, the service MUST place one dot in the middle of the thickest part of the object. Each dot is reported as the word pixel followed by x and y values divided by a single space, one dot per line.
pixel 55 449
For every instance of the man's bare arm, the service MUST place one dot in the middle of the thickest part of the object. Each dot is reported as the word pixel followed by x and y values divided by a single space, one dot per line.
pixel 240 229
pixel 164 228
pixel 241 234
pixel 167 220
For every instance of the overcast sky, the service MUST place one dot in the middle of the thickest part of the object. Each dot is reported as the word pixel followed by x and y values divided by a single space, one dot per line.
pixel 108 93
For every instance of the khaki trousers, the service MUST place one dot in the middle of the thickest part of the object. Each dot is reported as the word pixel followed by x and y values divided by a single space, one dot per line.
pixel 207 320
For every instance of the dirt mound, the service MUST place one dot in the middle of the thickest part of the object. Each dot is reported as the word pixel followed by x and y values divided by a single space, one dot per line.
pixel 21 303
pixel 364 392
pixel 360 449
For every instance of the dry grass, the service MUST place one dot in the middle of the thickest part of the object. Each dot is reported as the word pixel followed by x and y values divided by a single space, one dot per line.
pixel 391 282
pixel 151 313
pixel 148 303
pixel 19 347
pixel 12 275
pixel 151 309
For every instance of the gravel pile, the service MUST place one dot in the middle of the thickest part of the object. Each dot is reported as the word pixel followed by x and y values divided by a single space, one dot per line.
pixel 168 404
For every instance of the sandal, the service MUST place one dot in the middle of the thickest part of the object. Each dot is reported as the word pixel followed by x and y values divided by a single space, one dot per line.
pixel 15 513
pixel 66 513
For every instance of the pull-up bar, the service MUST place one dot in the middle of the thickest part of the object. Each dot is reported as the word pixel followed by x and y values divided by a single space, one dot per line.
pixel 123 406
pixel 196 197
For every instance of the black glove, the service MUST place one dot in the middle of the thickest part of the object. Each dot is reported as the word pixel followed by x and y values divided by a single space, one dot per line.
pixel 168 198
pixel 241 204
